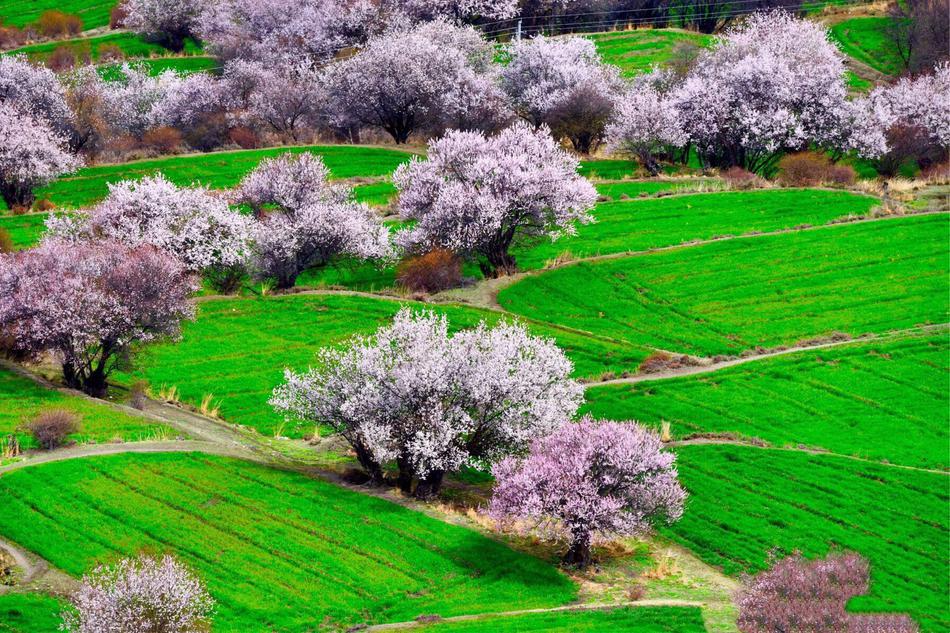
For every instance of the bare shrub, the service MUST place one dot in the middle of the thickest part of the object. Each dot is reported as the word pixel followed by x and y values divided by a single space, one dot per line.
pixel 843 175
pixel 138 394
pixel 56 24
pixel 12 37
pixel 739 178
pixel 61 59
pixel 658 362
pixel 43 205
pixel 110 53
pixel 210 131
pixel 437 270
pixel 164 140
pixel 50 428
pixel 6 242
pixel 117 16
pixel 804 169
pixel 244 137
pixel 938 173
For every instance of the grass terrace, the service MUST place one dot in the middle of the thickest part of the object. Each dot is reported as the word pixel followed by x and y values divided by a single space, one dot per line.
pixel 158 65
pixel 886 400
pixel 733 295
pixel 24 230
pixel 637 51
pixel 278 550
pixel 865 39
pixel 133 46
pixel 29 613
pixel 94 13
pixel 745 502
pixel 639 619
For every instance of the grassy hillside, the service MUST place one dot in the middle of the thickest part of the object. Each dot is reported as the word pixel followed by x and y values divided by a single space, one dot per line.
pixel 157 65
pixel 94 13
pixel 237 348
pixel 865 39
pixel 278 550
pixel 21 399
pixel 884 400
pixel 24 230
pixel 132 46
pixel 733 295
pixel 745 502
pixel 639 619
pixel 217 170
pixel 29 613
pixel 636 52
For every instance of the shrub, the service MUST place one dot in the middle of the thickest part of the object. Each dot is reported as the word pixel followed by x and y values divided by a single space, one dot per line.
pixel 44 205
pixel 739 178
pixel 937 173
pixel 164 140
pixel 58 24
pixel 138 394
pixel 11 37
pixel 51 428
pixel 244 137
pixel 841 175
pixel 110 53
pixel 804 169
pixel 61 59
pixel 435 271
pixel 6 242
pixel 117 16
pixel 210 131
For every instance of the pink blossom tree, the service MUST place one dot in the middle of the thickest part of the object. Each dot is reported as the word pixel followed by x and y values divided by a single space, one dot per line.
pixel 191 223
pixel 185 102
pixel 474 194
pixel 406 81
pixel 772 84
pixel 455 10
pixel 587 480
pixel 34 89
pixel 31 155
pixel 432 402
pixel 796 594
pixel 129 101
pixel 310 222
pixel 562 83
pixel 286 99
pixel 169 22
pixel 90 303
pixel 144 594
pixel 645 123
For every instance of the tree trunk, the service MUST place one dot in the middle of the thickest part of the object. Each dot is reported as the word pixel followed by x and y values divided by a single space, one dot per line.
pixel 370 465
pixel 429 486
pixel 578 554
pixel 404 481
pixel 498 264
pixel 649 163
pixel 70 377
pixel 16 195
pixel 95 384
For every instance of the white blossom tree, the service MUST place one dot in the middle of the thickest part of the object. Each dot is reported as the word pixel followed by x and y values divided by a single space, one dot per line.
pixel 144 594
pixel 562 83
pixel 130 100
pixel 286 99
pixel 590 480
pixel 475 195
pixel 432 402
pixel 644 123
pixel 309 221
pixel 34 89
pixel 167 21
pixel 192 223
pixel 455 10
pixel 183 103
pixel 31 155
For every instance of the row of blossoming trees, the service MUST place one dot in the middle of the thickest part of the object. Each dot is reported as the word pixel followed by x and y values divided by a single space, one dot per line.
pixel 771 85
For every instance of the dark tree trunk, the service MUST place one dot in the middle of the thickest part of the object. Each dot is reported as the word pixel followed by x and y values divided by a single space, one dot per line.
pixel 649 163
pixel 578 554
pixel 429 486
pixel 370 465
pixel 70 377
pixel 406 475
pixel 16 195
pixel 95 383
pixel 498 264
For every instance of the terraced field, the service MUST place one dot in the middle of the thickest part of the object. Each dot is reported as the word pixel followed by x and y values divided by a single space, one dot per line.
pixel 132 46
pixel 219 170
pixel 277 549
pixel 94 13
pixel 29 613
pixel 733 295
pixel 24 230
pixel 640 619
pixel 866 40
pixel 745 502
pixel 637 51
pixel 21 399
pixel 845 399
pixel 237 348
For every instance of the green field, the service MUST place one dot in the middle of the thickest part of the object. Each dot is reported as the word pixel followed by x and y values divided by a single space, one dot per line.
pixel 865 39
pixel 646 188
pixel 21 399
pixel 745 502
pixel 733 295
pixel 158 65
pixel 29 613
pixel 883 400
pixel 94 13
pixel 639 619
pixel 636 52
pixel 25 230
pixel 608 168
pixel 218 170
pixel 132 46
pixel 278 550
pixel 237 349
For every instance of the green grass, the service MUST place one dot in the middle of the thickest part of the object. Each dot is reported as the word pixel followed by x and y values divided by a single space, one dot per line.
pixel 865 39
pixel 608 168
pixel 29 613
pixel 882 400
pixel 733 295
pixel 218 170
pixel 237 349
pixel 132 46
pixel 158 65
pixel 94 13
pixel 21 399
pixel 24 230
pixel 646 188
pixel 636 52
pixel 635 225
pixel 745 502
pixel 278 550
pixel 639 619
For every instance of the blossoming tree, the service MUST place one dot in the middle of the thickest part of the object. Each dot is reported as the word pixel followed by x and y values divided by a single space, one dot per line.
pixel 645 122
pixel 432 402
pixel 475 194
pixel 589 479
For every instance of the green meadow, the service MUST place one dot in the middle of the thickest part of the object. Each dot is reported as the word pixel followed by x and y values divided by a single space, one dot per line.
pixel 183 65
pixel 732 295
pixel 94 13
pixel 866 40
pixel 746 502
pixel 637 51
pixel 29 613
pixel 639 619
pixel 278 550
pixel 885 400
pixel 21 399
pixel 25 230
pixel 132 46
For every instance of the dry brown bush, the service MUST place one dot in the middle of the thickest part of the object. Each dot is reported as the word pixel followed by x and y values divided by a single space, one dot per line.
pixel 244 137
pixel 56 24
pixel 50 428
pixel 164 140
pixel 6 242
pixel 437 270
pixel 739 178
